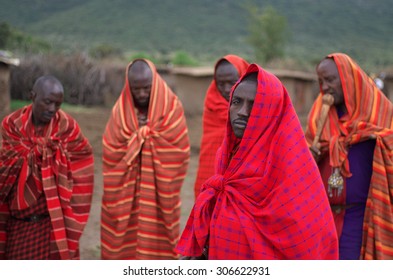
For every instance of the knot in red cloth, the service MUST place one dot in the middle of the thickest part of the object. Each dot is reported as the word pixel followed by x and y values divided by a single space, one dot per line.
pixel 144 132
pixel 215 182
pixel 41 143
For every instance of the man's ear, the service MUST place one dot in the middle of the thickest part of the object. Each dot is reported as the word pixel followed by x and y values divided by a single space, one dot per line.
pixel 33 95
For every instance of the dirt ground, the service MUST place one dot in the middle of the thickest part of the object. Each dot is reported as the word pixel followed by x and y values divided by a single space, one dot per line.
pixel 92 122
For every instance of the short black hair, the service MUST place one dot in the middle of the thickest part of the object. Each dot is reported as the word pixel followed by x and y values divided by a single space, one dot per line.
pixel 222 61
pixel 252 77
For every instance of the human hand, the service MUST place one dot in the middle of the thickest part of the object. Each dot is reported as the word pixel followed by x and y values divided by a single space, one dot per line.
pixel 201 257
pixel 204 256
pixel 316 152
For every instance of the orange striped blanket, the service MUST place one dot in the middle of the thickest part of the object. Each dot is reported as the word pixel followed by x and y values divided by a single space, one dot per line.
pixel 369 114
pixel 144 168
pixel 65 176
pixel 214 119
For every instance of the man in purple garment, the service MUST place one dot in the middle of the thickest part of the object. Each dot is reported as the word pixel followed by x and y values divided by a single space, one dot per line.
pixel 353 156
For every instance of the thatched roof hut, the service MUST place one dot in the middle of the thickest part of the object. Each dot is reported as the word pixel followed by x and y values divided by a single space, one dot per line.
pixel 6 61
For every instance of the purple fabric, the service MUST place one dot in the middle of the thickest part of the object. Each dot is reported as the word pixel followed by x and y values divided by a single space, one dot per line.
pixel 360 158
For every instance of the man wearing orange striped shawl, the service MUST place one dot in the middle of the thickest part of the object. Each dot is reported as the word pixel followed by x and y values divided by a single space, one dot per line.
pixel 145 158
pixel 356 143
pixel 46 179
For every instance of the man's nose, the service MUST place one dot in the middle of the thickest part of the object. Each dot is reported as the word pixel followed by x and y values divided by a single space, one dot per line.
pixel 245 110
pixel 324 86
pixel 52 107
pixel 227 89
pixel 144 93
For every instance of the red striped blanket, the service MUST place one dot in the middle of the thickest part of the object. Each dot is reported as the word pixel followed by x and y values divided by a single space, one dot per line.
pixel 144 168
pixel 58 165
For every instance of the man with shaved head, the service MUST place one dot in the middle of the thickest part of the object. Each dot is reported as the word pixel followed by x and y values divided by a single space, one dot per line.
pixel 140 78
pixel 227 71
pixel 145 158
pixel 47 96
pixel 46 178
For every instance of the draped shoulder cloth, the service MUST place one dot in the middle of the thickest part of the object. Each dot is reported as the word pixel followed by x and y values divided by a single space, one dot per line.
pixel 267 201
pixel 60 165
pixel 214 119
pixel 370 115
pixel 144 168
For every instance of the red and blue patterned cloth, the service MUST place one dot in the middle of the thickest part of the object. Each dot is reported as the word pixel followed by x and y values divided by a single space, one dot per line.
pixel 268 201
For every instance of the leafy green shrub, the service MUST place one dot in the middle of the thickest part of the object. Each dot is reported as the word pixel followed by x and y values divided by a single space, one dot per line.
pixel 105 51
pixel 182 58
pixel 143 55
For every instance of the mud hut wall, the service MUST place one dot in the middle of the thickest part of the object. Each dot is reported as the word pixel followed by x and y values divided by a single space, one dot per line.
pixel 388 87
pixel 302 93
pixel 5 97
pixel 191 91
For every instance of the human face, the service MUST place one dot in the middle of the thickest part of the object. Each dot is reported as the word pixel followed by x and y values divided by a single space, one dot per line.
pixel 329 80
pixel 140 86
pixel 241 106
pixel 46 102
pixel 226 76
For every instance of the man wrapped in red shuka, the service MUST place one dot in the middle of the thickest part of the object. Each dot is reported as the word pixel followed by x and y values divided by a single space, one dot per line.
pixel 46 179
pixel 227 71
pixel 266 199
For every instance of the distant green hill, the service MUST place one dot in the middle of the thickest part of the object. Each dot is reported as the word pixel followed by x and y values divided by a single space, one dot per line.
pixel 207 29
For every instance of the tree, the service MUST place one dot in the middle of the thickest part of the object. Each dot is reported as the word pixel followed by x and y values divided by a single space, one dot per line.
pixel 5 33
pixel 11 38
pixel 267 32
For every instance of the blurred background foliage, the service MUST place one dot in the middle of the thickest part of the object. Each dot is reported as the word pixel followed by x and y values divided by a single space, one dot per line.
pixel 88 44
pixel 203 29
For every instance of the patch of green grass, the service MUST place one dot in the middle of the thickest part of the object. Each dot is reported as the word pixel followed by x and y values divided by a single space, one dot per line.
pixel 16 104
